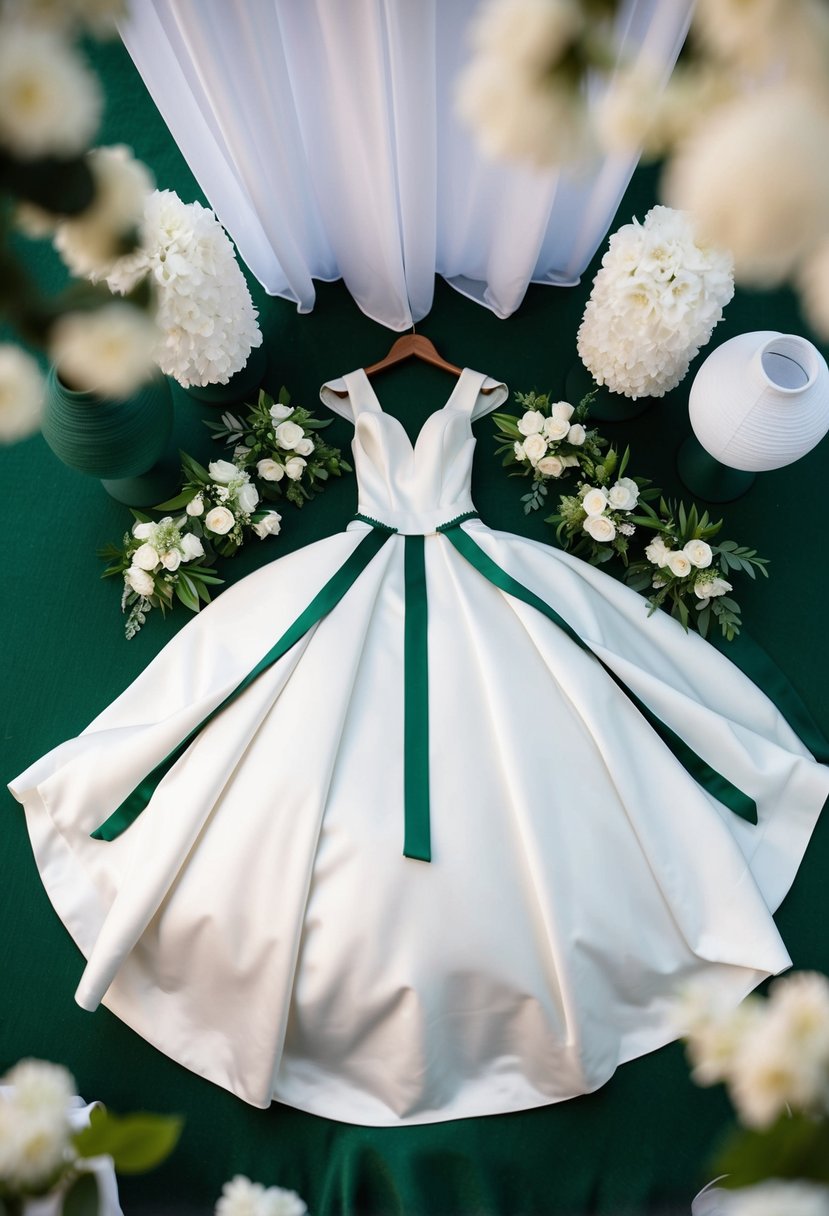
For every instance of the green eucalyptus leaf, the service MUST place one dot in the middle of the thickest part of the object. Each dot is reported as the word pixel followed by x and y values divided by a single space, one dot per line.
pixel 136 1143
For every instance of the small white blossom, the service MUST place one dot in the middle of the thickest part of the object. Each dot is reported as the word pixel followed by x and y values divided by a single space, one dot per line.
pixel 247 497
pixel 288 435
pixel 518 448
pixel 139 580
pixel 195 506
pixel 556 428
pixel 146 557
pixel 562 410
pixel 280 412
pixel 709 587
pixel 535 448
pixel 600 528
pixel 679 564
pixel 108 351
pixel 22 391
pixel 657 552
pixel 531 423
pixel 305 446
pixel 223 472
pixel 551 466
pixel 219 520
pixel 576 435
pixel 624 495
pixel 269 525
pixel 191 547
pixel 270 470
pixel 698 553
pixel 241 1197
pixel 594 501
pixel 295 467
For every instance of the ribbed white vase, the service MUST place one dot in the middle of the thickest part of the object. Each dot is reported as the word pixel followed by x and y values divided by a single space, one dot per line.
pixel 761 400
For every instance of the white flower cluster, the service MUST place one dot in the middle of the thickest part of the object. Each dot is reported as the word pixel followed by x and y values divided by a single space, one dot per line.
pixel 22 391
pixel 771 1054
pixel 689 561
pixel 35 1130
pixel 654 304
pixel 293 441
pixel 603 509
pixel 542 434
pixel 241 1197
pixel 205 312
pixel 164 547
pixel 235 498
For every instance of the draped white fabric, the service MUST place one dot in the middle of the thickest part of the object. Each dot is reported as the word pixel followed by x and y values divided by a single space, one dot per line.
pixel 324 137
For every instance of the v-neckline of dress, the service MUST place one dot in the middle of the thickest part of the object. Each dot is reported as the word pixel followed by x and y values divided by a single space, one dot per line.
pixel 375 407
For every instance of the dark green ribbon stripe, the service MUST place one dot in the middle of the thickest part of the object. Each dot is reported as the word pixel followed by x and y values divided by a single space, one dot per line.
pixel 320 605
pixel 416 842
pixel 702 772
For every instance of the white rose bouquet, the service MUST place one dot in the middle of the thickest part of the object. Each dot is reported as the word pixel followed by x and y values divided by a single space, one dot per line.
pixel 598 521
pixel 279 446
pixel 688 574
pixel 545 441
pixel 654 304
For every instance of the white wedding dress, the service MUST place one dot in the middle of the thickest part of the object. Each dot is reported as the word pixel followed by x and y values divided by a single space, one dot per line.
pixel 259 922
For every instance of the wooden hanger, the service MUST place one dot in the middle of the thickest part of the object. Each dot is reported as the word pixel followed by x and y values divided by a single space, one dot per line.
pixel 412 346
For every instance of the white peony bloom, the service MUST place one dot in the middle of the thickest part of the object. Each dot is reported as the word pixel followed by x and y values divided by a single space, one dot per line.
pixel 191 547
pixel 600 528
pixel 50 102
pixel 295 467
pixel 195 506
pixel 657 552
pixel 769 220
pixel 708 588
pixel 305 446
pixel 22 391
pixel 594 501
pixel 576 435
pixel 270 470
pixel 531 423
pixel 288 435
pixel 219 520
pixel 678 563
pixel 535 448
pixel 223 472
pixel 562 409
pixel 280 412
pixel 769 1073
pixel 269 525
pixel 247 497
pixel 556 428
pixel 698 553
pixel 139 580
pixel 108 351
pixel 624 495
pixel 146 557
pixel 627 114
pixel 90 242
pixel 775 1198
pixel 518 448
pixel 551 466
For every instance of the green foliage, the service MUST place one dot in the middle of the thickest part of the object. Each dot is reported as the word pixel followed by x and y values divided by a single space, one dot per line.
pixel 136 1143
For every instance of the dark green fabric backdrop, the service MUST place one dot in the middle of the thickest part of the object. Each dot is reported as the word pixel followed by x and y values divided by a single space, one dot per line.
pixel 640 1141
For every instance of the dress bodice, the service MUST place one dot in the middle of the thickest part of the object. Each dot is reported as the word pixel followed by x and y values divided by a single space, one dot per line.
pixel 413 488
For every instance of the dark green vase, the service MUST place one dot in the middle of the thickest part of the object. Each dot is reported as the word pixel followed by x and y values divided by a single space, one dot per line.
pixel 125 443
pixel 605 406
pixel 706 478
pixel 242 385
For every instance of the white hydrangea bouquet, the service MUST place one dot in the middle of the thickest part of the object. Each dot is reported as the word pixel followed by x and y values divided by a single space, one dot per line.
pixel 654 305
pixel 773 1056
pixel 58 1155
pixel 280 447
pixel 205 314
pixel 687 574
pixel 545 441
pixel 598 521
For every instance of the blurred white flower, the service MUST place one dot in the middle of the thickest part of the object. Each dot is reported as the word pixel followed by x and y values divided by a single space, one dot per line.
pixel 268 525
pixel 90 242
pixel 108 351
pixel 34 1123
pixel 628 115
pixel 22 389
pixel 764 34
pixel 41 1087
pixel 50 101
pixel 775 1198
pixel 813 282
pixel 96 17
pixel 241 1197
pixel 533 33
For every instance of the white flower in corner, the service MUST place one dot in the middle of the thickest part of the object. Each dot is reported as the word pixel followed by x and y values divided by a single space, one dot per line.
pixel 108 351
pixel 295 467
pixel 22 391
pixel 268 525
pixel 280 412
pixel 551 466
pixel 710 587
pixel 535 447
pixel 624 495
pixel 219 520
pixel 556 428
pixel 594 501
pixel 270 470
pixel 223 472
pixel 288 435
pixel 191 547
pixel 139 580
pixel 195 506
pixel 699 553
pixel 247 497
pixel 531 423
pixel 576 435
pixel 657 552
pixel 600 528
pixel 679 564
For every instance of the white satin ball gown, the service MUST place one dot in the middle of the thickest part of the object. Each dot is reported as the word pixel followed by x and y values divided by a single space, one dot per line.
pixel 436 859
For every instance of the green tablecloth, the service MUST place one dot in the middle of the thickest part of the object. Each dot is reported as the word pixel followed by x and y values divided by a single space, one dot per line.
pixel 643 1138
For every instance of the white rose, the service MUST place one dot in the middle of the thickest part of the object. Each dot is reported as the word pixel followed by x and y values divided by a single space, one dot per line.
pixel 594 502
pixel 556 428
pixel 678 563
pixel 222 471
pixel 535 446
pixel 145 557
pixel 270 470
pixel 551 466
pixel 305 446
pixel 195 506
pixel 288 435
pixel 518 448
pixel 699 553
pixel 657 551
pixel 576 435
pixel 624 495
pixel 570 462
pixel 191 547
pixel 269 525
pixel 562 410
pixel 280 412
pixel 219 520
pixel 710 588
pixel 295 467
pixel 171 560
pixel 140 581
pixel 531 423
pixel 600 528
pixel 247 497
pixel 143 531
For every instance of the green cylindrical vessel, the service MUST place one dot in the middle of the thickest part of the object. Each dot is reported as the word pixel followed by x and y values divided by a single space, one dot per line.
pixel 242 385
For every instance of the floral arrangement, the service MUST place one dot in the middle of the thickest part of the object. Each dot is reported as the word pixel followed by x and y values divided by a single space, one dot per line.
pixel 654 304
pixel 274 443
pixel 773 1056
pixel 546 441
pixel 598 520
pixel 687 573
pixel 204 310
pixel 51 1145
pixel 241 1197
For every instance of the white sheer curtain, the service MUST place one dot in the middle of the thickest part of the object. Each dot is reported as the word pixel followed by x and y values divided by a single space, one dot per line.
pixel 323 135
